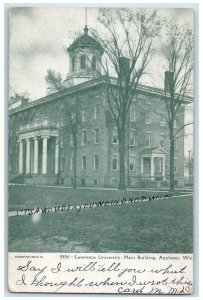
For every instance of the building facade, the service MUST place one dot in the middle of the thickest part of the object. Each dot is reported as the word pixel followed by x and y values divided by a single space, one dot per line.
pixel 70 135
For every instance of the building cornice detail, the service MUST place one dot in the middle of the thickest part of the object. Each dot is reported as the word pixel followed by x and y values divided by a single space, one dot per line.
pixel 90 84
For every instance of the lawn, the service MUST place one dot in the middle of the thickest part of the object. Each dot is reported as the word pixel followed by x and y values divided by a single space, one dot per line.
pixel 164 226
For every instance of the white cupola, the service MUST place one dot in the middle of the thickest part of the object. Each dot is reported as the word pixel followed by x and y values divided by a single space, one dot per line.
pixel 84 60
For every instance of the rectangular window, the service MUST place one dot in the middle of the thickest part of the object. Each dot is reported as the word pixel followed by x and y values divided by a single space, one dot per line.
pixel 162 141
pixel 84 162
pixel 84 137
pixel 146 166
pixel 175 145
pixel 148 139
pixel 96 135
pixel 95 112
pixel 115 163
pixel 132 138
pixel 132 113
pixel 115 136
pixel 148 117
pixel 83 182
pixel 95 182
pixel 96 162
pixel 83 115
pixel 132 163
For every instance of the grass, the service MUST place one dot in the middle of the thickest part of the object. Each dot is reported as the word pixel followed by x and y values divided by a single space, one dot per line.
pixel 147 227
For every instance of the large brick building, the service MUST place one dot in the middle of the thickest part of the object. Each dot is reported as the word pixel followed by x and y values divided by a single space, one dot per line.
pixel 41 142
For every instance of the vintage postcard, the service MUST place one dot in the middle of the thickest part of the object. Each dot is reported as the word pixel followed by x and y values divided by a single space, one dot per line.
pixel 100 150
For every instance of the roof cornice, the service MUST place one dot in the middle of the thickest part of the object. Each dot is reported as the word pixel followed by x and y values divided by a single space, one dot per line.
pixel 87 85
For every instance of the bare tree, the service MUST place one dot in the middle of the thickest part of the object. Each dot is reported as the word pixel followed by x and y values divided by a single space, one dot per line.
pixel 127 33
pixel 72 126
pixel 54 81
pixel 78 128
pixel 177 50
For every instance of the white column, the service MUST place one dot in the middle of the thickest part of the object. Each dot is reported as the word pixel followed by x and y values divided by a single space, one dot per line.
pixel 36 151
pixel 57 155
pixel 27 156
pixel 164 167
pixel 152 166
pixel 20 160
pixel 44 154
pixel 141 165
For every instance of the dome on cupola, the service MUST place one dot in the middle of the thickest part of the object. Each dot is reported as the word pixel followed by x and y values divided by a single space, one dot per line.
pixel 84 59
pixel 85 41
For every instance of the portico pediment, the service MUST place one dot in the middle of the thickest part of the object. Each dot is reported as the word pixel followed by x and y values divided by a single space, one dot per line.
pixel 154 150
pixel 39 133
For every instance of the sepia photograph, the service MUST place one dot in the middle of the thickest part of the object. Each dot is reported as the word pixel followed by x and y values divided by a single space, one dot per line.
pixel 100 139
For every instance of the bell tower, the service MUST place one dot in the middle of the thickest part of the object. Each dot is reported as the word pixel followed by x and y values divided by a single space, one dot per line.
pixel 84 60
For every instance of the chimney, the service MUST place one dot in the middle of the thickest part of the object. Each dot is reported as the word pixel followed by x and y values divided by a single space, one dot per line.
pixel 124 65
pixel 168 81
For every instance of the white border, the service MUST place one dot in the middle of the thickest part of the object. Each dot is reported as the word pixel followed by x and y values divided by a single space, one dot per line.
pixel 3 113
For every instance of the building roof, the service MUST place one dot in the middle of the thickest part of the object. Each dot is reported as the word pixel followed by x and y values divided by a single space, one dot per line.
pixel 82 86
pixel 85 41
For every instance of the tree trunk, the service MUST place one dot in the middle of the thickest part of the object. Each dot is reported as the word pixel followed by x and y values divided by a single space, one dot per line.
pixel 121 138
pixel 171 178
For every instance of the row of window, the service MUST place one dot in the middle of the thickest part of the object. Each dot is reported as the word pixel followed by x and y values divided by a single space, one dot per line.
pixel 114 163
pixel 148 117
pixel 84 114
pixel 84 137
pixel 83 165
pixel 133 116
pixel 83 62
pixel 132 142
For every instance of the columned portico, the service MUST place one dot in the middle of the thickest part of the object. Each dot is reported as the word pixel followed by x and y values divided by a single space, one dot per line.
pixel 153 163
pixel 41 148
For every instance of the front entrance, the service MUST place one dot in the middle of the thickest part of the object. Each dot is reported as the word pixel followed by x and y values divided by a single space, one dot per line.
pixel 158 167
pixel 153 163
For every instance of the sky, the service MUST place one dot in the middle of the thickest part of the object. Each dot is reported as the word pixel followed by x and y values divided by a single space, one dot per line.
pixel 39 37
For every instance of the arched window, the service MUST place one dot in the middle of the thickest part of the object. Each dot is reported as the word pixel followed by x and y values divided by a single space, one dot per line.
pixel 73 63
pixel 94 61
pixel 82 62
